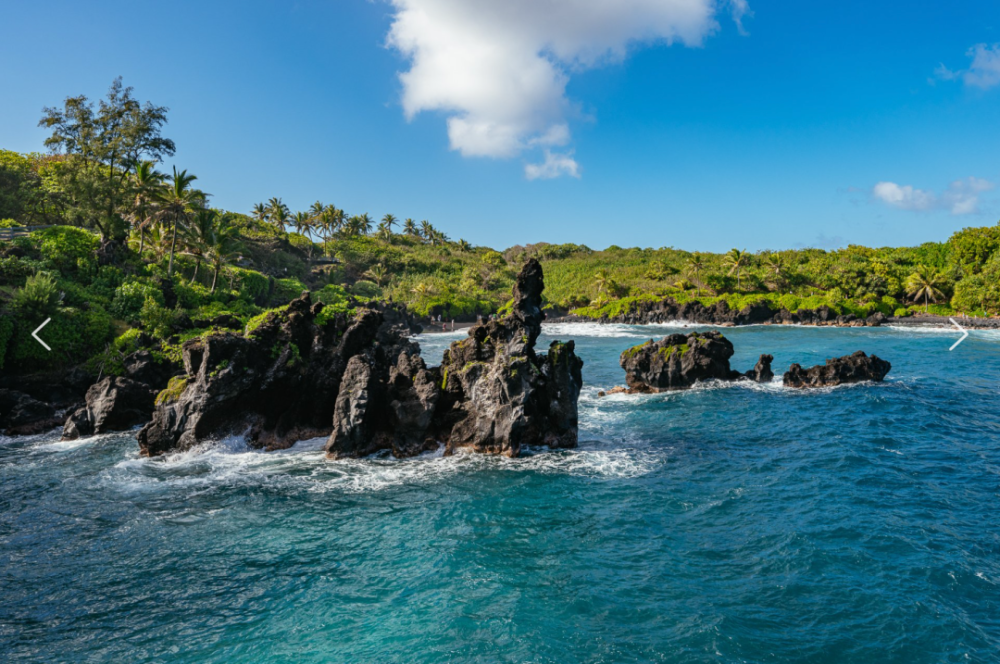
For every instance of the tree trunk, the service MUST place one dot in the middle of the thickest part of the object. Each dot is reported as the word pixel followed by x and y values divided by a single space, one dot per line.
pixel 142 241
pixel 173 244
pixel 197 264
pixel 215 277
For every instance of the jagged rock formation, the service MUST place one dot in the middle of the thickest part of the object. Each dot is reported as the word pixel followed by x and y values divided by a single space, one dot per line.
pixel 113 404
pixel 678 361
pixel 278 384
pixel 492 393
pixel 853 368
pixel 761 372
pixel 719 313
pixel 362 383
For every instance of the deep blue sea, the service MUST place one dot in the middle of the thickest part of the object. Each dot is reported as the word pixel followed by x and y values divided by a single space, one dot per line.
pixel 736 523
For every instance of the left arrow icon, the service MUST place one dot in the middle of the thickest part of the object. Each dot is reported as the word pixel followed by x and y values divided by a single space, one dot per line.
pixel 39 329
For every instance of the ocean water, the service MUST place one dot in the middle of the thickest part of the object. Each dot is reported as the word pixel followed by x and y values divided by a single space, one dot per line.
pixel 736 523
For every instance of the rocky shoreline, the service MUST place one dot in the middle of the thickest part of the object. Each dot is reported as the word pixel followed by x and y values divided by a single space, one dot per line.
pixel 720 314
pixel 358 381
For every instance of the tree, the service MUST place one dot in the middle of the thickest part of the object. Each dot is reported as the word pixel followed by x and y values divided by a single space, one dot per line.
pixel 776 268
pixel 410 227
pixel 222 247
pixel 196 237
pixel 364 224
pixel 388 221
pixel 426 229
pixel 606 286
pixel 301 221
pixel 101 147
pixel 278 213
pixel 925 283
pixel 259 212
pixel 736 261
pixel 176 202
pixel 695 265
pixel 384 233
pixel 377 273
pixel 464 245
pixel 147 184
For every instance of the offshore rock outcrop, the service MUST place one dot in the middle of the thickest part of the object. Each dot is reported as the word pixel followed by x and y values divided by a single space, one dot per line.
pixel 361 383
pixel 854 368
pixel 492 393
pixel 679 361
pixel 499 393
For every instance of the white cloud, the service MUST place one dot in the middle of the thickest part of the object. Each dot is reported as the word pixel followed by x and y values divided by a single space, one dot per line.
pixel 903 197
pixel 961 197
pixel 984 72
pixel 555 164
pixel 985 69
pixel 740 9
pixel 498 68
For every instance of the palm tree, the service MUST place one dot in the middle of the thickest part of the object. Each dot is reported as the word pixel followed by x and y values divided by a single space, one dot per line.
pixel 278 213
pixel 301 221
pixel 925 282
pixel 389 221
pixel 147 182
pixel 605 284
pixel 410 227
pixel 736 260
pixel 176 202
pixel 222 247
pixel 695 265
pixel 421 290
pixel 384 233
pixel 426 229
pixel 365 224
pixel 259 212
pixel 196 237
pixel 776 267
pixel 377 273
pixel 464 245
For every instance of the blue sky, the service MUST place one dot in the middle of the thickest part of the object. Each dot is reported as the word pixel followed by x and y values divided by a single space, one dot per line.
pixel 816 124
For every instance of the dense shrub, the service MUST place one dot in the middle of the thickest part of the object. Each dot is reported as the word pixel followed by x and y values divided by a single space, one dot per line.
pixel 68 249
pixel 131 297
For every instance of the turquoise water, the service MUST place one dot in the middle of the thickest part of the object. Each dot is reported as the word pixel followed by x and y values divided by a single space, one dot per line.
pixel 741 523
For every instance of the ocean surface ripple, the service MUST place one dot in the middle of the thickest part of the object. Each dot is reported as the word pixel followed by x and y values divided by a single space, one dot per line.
pixel 729 523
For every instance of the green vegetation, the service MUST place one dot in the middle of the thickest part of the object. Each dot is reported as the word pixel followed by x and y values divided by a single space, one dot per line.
pixel 133 256
pixel 174 389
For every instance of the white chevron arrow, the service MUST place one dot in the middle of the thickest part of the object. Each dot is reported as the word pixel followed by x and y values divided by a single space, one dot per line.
pixel 39 329
pixel 961 329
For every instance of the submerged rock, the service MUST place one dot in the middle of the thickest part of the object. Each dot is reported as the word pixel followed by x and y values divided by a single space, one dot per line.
pixel 361 383
pixel 853 368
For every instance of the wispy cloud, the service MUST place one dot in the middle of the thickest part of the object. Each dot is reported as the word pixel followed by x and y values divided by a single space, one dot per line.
pixel 983 72
pixel 555 165
pixel 961 197
pixel 499 70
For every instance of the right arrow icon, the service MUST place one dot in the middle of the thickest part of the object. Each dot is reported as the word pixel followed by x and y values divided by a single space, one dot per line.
pixel 961 329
